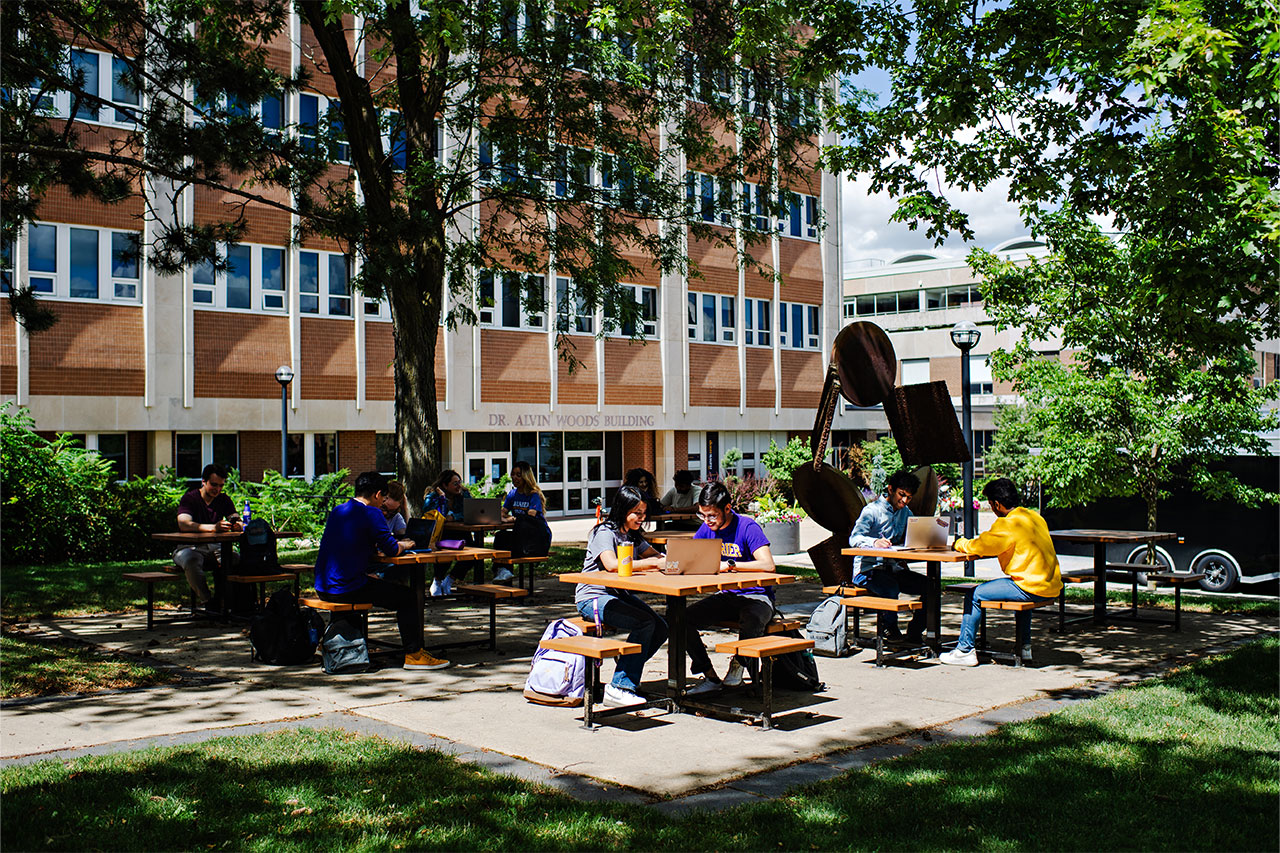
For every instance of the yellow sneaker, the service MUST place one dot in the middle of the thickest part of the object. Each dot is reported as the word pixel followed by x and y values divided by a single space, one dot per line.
pixel 423 660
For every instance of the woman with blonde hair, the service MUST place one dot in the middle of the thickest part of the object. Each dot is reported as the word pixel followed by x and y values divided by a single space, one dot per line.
pixel 524 505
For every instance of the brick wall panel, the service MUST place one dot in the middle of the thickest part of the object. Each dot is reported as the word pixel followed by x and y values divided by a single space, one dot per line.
pixel 713 375
pixel 8 349
pixel 801 263
pixel 717 265
pixel 235 354
pixel 946 369
pixel 681 449
pixel 632 374
pixel 578 387
pixel 760 384
pixel 379 357
pixel 137 444
pixel 513 367
pixel 357 452
pixel 259 452
pixel 802 375
pixel 92 351
pixel 638 451
pixel 58 205
pixel 328 359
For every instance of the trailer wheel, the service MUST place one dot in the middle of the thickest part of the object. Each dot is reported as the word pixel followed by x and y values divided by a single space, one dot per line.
pixel 1163 558
pixel 1221 571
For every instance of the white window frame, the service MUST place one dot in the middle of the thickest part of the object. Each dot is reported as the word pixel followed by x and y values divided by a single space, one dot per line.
pixel 59 280
pixel 493 317
pixel 721 332
pixel 811 335
pixel 757 319
pixel 324 298
pixel 915 371
pixel 213 296
pixel 325 107
pixel 580 320
pixel 58 103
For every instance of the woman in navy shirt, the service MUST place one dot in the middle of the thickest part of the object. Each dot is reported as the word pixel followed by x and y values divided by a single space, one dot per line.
pixel 524 505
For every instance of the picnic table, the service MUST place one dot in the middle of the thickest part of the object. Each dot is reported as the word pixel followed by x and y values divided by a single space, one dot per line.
pixel 225 540
pixel 673 515
pixel 1100 539
pixel 662 537
pixel 677 588
pixel 933 560
pixel 416 563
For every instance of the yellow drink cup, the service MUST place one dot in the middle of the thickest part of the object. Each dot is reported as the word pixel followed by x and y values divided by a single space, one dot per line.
pixel 626 553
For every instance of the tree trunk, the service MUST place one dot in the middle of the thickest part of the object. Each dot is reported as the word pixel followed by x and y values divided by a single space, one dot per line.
pixel 1150 494
pixel 415 318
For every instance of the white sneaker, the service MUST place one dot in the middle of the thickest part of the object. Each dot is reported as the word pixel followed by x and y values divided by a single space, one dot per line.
pixel 435 589
pixel 502 574
pixel 955 657
pixel 706 685
pixel 621 697
pixel 736 674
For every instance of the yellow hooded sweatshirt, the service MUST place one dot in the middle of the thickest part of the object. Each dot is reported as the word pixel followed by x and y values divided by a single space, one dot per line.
pixel 1021 542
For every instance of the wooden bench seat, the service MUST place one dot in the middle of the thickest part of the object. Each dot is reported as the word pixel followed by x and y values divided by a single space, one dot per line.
pixel 774 626
pixel 519 563
pixel 151 579
pixel 765 649
pixel 595 649
pixel 846 590
pixel 858 603
pixel 492 593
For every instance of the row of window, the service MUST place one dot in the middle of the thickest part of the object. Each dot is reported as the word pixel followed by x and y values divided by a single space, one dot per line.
pixel 519 301
pixel 909 301
pixel 713 318
pixel 74 262
pixel 721 200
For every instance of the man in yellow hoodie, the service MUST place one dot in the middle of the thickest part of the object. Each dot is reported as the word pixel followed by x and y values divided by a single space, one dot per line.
pixel 1020 539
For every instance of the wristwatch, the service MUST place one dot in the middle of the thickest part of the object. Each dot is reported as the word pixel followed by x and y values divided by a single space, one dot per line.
pixel 732 563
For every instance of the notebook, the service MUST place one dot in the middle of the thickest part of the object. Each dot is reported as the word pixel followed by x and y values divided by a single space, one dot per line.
pixel 481 510
pixel 692 557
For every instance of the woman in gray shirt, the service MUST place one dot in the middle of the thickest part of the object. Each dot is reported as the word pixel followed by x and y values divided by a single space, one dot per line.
pixel 622 608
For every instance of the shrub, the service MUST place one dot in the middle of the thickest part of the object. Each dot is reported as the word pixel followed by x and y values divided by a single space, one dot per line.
pixel 289 503
pixel 744 491
pixel 781 461
pixel 490 489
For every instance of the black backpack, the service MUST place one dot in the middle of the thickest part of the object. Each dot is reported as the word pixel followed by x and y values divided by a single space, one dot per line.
pixel 258 549
pixel 284 633
pixel 532 538
pixel 797 671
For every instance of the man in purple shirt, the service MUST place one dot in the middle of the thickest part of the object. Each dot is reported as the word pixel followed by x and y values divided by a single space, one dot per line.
pixel 204 510
pixel 353 531
pixel 744 548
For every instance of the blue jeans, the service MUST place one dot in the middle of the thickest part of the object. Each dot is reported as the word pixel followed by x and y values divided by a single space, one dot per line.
pixel 886 583
pixel 625 611
pixel 1000 589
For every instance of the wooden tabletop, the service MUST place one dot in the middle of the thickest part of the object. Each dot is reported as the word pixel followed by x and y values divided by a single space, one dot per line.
pixel 229 536
pixel 478 528
pixel 655 582
pixel 1103 536
pixel 912 554
pixel 446 555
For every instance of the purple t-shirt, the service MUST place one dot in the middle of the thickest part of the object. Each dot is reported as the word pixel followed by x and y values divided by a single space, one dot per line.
pixel 202 513
pixel 740 540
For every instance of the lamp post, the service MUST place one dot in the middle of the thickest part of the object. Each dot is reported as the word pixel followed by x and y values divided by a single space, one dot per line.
pixel 284 375
pixel 965 337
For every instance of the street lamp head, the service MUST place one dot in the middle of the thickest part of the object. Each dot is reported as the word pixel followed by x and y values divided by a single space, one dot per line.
pixel 284 373
pixel 965 336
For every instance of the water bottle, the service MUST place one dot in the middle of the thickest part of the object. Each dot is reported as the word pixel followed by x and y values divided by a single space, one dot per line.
pixel 248 513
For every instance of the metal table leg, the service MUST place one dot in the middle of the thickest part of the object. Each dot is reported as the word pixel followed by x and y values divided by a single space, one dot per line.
pixel 676 643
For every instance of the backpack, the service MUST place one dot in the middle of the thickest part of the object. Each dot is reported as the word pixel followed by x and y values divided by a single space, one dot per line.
pixel 258 549
pixel 557 678
pixel 284 633
pixel 530 537
pixel 344 648
pixel 797 670
pixel 827 625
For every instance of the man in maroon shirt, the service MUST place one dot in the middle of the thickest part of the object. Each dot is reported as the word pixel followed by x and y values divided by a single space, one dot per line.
pixel 204 510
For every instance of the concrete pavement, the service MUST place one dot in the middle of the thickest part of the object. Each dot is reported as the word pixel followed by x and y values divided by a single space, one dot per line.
pixel 475 707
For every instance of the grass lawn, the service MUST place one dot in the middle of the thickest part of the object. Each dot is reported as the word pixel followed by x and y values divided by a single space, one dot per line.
pixel 75 588
pixel 46 668
pixel 1187 762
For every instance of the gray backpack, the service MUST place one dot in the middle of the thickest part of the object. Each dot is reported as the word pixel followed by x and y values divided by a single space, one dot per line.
pixel 344 648
pixel 827 627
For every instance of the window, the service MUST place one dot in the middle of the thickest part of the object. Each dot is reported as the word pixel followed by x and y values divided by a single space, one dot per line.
pixel 799 325
pixel 239 276
pixel 754 207
pixel 193 450
pixel 756 315
pixel 339 287
pixel 325 459
pixel 573 315
pixel 114 447
pixel 384 453
pixel 915 371
pixel 105 86
pixel 712 318
pixel 574 174
pixel 320 122
pixel 253 276
pixel 648 299
pixel 6 265
pixel 798 215
pixel 84 74
pixel 273 291
pixel 310 455
pixel 81 263
pixel 327 273
pixel 512 300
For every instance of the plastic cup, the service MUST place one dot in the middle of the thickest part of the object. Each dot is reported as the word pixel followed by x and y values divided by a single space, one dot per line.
pixel 625 555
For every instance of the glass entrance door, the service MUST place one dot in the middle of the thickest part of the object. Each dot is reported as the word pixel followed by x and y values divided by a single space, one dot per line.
pixel 486 468
pixel 583 480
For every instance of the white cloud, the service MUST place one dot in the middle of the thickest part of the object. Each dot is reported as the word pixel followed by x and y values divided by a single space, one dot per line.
pixel 868 234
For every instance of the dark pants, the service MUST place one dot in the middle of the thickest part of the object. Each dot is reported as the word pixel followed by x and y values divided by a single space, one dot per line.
pixel 389 596
pixel 886 583
pixel 751 612
pixel 459 570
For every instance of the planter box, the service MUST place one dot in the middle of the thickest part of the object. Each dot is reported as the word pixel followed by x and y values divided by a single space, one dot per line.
pixel 784 537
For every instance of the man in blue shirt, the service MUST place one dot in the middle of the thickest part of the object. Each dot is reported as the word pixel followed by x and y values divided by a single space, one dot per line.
pixel 352 533
pixel 881 524
pixel 744 548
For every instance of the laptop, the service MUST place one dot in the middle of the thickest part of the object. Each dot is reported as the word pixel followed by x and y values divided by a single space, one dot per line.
pixel 924 533
pixel 692 557
pixel 481 510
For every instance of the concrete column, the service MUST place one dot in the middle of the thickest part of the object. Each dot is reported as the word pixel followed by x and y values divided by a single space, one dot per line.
pixel 159 451
pixel 664 458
